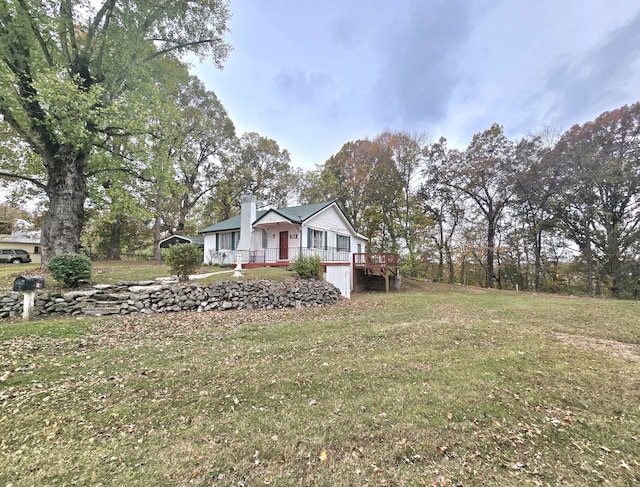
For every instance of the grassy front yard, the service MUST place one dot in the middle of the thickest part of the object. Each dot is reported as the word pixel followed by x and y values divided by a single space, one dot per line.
pixel 110 272
pixel 436 386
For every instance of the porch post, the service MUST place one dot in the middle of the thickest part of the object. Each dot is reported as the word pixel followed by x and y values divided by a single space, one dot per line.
pixel 353 271
pixel 386 277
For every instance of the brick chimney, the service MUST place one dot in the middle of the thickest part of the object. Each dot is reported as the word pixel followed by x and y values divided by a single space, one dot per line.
pixel 247 217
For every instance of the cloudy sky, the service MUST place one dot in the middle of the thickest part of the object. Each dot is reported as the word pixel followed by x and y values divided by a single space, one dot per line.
pixel 313 75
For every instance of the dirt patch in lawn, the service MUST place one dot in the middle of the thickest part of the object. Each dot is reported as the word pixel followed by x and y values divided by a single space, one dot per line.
pixel 628 351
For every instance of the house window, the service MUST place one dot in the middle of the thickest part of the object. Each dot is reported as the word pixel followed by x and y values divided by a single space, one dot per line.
pixel 343 243
pixel 36 249
pixel 227 241
pixel 265 239
pixel 316 239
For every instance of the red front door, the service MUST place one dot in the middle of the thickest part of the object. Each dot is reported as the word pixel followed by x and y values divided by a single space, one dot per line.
pixel 284 246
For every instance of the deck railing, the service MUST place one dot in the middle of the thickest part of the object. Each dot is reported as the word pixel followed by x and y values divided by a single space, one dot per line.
pixel 375 260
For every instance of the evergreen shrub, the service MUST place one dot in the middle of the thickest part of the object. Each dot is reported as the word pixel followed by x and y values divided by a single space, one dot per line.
pixel 184 259
pixel 70 269
pixel 308 267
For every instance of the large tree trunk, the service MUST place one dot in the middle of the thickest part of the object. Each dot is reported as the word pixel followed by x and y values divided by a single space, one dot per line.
pixel 114 243
pixel 613 256
pixel 441 251
pixel 491 246
pixel 538 260
pixel 588 257
pixel 157 253
pixel 450 265
pixel 66 190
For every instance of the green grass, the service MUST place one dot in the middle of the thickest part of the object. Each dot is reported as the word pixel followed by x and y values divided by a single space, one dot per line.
pixel 9 272
pixel 439 385
pixel 111 272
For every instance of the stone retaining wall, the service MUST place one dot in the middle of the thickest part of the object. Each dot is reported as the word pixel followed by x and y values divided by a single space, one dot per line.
pixel 152 297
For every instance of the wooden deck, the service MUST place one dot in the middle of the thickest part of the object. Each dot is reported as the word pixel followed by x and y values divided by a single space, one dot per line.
pixel 376 263
pixel 379 260
pixel 371 265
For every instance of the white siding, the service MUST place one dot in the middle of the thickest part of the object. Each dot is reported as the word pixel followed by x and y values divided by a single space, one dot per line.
pixel 272 217
pixel 222 257
pixel 354 245
pixel 329 219
pixel 340 277
pixel 256 239
pixel 209 247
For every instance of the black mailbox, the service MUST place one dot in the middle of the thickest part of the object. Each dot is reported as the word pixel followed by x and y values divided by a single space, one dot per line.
pixel 28 283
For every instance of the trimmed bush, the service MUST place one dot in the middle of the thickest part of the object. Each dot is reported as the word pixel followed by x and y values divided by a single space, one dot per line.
pixel 70 269
pixel 308 267
pixel 184 259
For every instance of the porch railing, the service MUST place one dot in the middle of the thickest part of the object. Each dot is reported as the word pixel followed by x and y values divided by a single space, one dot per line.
pixel 276 255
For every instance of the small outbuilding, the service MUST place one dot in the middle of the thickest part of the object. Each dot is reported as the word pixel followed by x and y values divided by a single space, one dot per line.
pixel 181 239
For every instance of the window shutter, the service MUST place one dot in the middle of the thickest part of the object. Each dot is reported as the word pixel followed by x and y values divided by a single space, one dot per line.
pixel 233 240
pixel 325 240
pixel 217 242
pixel 349 244
pixel 308 237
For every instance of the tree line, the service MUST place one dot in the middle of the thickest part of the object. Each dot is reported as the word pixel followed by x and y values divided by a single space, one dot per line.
pixel 101 116
pixel 547 212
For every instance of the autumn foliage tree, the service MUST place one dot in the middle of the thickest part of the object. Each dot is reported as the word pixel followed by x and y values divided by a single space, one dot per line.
pixel 253 164
pixel 375 184
pixel 484 173
pixel 345 177
pixel 599 207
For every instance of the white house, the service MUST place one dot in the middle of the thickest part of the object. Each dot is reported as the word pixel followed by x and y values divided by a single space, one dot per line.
pixel 25 240
pixel 278 236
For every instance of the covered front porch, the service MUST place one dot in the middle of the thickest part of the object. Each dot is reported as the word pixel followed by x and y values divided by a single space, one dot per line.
pixel 283 256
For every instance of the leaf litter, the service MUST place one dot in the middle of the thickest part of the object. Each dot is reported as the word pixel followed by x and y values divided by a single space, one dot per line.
pixel 102 371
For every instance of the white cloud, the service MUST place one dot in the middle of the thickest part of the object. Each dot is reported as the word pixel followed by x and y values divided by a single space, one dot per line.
pixel 314 75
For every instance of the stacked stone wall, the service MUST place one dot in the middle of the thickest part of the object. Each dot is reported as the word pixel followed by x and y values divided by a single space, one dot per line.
pixel 152 297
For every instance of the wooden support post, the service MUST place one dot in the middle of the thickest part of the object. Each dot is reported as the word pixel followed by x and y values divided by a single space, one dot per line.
pixel 27 305
pixel 386 278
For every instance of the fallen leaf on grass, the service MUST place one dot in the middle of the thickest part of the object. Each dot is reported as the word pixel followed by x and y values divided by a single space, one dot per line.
pixel 323 456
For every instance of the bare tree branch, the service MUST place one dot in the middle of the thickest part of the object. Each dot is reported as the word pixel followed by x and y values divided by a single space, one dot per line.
pixel 37 33
pixel 177 47
pixel 124 170
pixel 13 123
pixel 12 176
pixel 66 27
pixel 106 9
